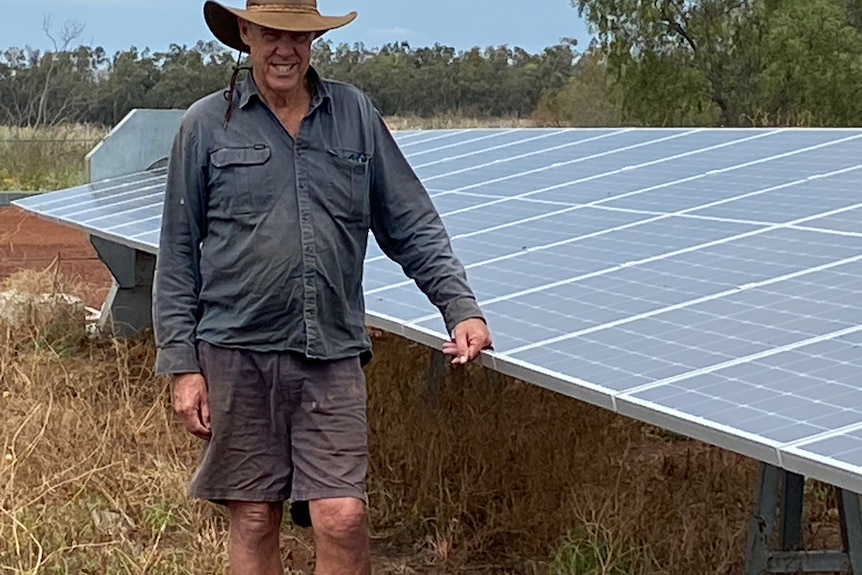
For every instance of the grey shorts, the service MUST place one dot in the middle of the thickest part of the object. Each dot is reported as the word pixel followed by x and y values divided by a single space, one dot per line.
pixel 283 428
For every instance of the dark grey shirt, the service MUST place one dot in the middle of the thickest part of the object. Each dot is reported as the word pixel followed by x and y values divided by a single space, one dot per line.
pixel 263 237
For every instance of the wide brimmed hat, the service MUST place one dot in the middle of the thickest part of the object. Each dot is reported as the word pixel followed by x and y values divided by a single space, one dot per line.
pixel 288 15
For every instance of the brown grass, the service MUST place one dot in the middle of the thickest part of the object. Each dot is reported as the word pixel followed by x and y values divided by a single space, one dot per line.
pixel 453 122
pixel 45 159
pixel 491 476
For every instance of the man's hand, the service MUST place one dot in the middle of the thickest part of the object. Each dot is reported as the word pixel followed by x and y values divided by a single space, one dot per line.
pixel 191 403
pixel 468 339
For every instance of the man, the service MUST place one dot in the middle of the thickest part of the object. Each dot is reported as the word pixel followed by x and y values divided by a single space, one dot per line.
pixel 272 189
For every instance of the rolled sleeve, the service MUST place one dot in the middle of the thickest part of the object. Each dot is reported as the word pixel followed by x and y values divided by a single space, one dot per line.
pixel 177 284
pixel 410 231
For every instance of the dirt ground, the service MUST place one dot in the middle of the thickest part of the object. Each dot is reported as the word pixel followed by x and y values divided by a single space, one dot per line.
pixel 30 242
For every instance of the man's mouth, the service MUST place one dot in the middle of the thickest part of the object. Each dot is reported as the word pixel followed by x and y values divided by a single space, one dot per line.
pixel 285 68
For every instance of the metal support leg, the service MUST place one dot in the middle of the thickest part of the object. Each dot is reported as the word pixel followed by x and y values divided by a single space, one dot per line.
pixel 762 523
pixel 496 381
pixel 780 490
pixel 436 373
pixel 791 515
pixel 128 309
pixel 851 528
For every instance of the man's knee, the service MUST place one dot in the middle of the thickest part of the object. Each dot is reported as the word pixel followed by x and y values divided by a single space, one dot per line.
pixel 255 521
pixel 339 519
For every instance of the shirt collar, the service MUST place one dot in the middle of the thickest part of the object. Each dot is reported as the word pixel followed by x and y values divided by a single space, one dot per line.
pixel 320 95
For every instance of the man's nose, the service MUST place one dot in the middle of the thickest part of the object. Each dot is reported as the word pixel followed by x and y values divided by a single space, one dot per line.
pixel 285 48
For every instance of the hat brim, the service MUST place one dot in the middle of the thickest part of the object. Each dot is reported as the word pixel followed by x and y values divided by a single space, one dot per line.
pixel 223 22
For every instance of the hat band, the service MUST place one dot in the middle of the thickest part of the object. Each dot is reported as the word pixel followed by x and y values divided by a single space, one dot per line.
pixel 283 8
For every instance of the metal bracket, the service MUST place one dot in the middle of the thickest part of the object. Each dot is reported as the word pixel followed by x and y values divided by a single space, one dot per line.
pixel 128 309
pixel 782 492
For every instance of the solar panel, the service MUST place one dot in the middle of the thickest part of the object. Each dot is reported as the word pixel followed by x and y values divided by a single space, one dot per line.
pixel 703 280
pixel 126 210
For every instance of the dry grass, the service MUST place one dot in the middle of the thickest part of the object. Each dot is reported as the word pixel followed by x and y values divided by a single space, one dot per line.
pixel 64 132
pixel 45 159
pixel 454 123
pixel 93 471
pixel 491 476
pixel 501 471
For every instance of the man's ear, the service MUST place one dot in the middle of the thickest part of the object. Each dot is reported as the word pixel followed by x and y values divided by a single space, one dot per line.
pixel 243 30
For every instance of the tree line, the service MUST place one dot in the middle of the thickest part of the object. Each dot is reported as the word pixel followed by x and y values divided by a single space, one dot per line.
pixel 85 84
pixel 651 63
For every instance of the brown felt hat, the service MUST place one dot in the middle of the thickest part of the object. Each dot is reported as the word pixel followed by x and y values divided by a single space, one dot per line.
pixel 288 15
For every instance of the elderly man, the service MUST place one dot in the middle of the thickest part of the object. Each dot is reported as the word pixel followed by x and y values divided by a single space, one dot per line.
pixel 273 186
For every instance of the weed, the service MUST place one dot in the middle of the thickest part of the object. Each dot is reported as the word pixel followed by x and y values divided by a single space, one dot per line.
pixel 594 550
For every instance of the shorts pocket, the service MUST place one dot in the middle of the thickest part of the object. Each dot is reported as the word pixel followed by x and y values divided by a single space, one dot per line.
pixel 241 179
pixel 346 195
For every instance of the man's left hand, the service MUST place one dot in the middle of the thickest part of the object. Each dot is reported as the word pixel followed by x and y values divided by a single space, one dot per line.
pixel 469 338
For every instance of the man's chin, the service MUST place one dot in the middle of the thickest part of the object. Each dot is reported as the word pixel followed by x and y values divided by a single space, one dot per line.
pixel 282 84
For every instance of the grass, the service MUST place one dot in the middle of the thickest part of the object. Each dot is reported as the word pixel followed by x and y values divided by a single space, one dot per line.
pixel 593 550
pixel 453 122
pixel 45 159
pixel 492 476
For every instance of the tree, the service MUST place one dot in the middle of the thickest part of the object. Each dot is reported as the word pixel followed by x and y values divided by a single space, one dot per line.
pixel 812 65
pixel 585 101
pixel 187 74
pixel 47 89
pixel 674 55
pixel 728 62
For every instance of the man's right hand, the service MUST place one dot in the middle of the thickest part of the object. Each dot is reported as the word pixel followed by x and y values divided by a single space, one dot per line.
pixel 191 403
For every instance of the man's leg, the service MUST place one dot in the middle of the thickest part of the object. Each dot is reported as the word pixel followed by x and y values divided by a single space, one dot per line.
pixel 254 529
pixel 248 457
pixel 341 537
pixel 330 459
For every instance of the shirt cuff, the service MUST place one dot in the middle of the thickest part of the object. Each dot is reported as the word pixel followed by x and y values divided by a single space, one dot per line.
pixel 173 360
pixel 460 310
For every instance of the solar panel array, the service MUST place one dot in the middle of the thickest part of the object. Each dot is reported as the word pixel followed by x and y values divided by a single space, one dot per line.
pixel 703 280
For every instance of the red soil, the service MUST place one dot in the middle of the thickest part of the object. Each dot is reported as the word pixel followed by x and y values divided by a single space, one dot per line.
pixel 28 242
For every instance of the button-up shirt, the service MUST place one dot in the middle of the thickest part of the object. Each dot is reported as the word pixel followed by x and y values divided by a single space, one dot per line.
pixel 264 236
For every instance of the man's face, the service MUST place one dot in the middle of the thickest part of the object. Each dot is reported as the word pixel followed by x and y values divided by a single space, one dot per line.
pixel 280 59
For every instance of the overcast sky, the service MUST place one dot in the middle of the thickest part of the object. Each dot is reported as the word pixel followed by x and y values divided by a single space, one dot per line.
pixel 121 24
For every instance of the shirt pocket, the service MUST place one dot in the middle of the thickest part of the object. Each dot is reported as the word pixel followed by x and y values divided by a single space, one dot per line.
pixel 347 188
pixel 241 179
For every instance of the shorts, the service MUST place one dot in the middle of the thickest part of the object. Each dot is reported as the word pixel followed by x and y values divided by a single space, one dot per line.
pixel 284 427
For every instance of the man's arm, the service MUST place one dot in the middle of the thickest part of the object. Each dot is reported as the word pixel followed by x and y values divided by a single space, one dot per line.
pixel 409 230
pixel 177 285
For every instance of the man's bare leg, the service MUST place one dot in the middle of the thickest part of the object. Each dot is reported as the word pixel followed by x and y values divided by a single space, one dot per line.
pixel 341 537
pixel 254 541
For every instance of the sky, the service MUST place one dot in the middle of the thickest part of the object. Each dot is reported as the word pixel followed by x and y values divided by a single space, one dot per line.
pixel 120 24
